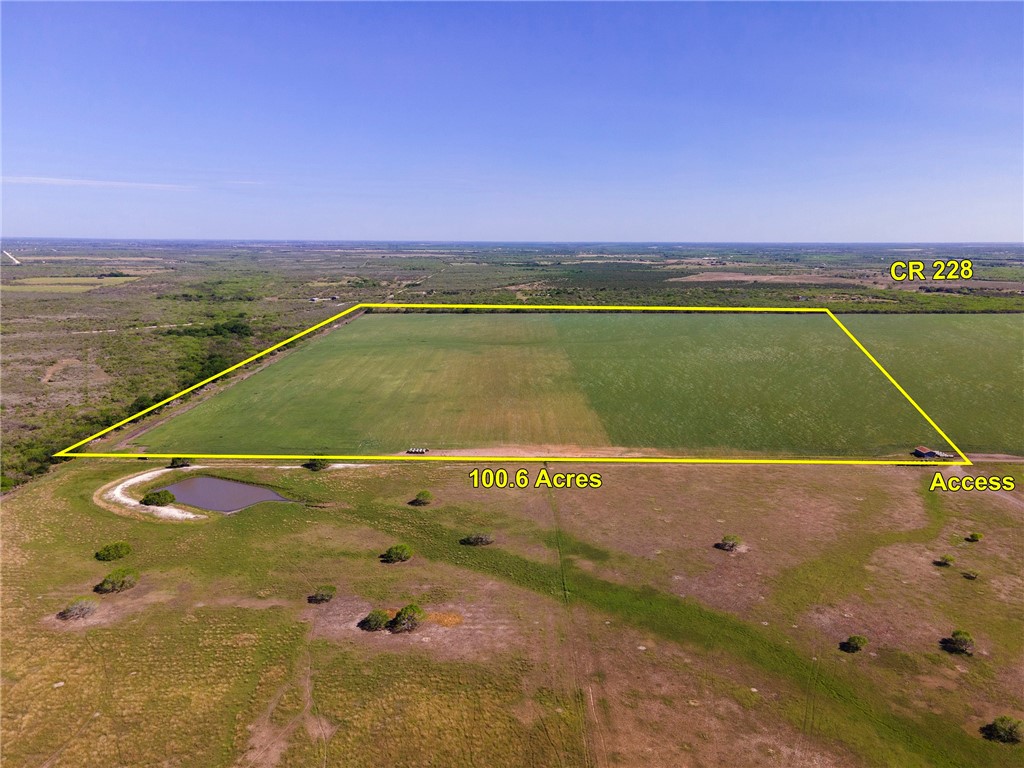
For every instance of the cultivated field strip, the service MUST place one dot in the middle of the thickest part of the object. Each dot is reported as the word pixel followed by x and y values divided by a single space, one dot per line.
pixel 658 385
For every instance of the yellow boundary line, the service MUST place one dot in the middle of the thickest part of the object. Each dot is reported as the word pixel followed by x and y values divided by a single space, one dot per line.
pixel 70 450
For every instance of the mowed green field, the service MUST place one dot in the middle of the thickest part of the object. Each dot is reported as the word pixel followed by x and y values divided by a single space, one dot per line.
pixel 693 384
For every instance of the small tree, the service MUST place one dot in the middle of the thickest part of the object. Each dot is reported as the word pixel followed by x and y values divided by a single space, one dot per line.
pixel 853 643
pixel 1006 729
pixel 323 594
pixel 422 499
pixel 407 619
pixel 78 608
pixel 974 537
pixel 374 621
pixel 476 540
pixel 315 465
pixel 118 580
pixel 971 575
pixel 158 498
pixel 114 551
pixel 399 553
pixel 945 561
pixel 178 463
pixel 960 641
pixel 728 543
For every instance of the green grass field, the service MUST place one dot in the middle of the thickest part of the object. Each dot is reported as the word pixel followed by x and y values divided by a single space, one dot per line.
pixel 964 370
pixel 694 384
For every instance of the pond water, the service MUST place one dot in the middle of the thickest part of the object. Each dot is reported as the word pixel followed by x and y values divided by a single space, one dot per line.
pixel 219 495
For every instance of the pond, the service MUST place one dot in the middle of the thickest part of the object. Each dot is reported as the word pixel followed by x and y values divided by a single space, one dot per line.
pixel 219 495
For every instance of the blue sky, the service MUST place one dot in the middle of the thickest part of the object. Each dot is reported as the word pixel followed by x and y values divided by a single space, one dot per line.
pixel 515 121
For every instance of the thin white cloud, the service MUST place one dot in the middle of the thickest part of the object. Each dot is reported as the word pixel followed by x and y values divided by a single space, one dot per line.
pixel 49 181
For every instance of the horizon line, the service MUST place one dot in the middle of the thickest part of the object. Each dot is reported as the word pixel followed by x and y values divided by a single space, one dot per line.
pixel 425 241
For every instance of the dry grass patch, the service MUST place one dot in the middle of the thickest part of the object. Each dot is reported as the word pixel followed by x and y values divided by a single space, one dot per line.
pixel 655 704
pixel 670 518
pixel 445 618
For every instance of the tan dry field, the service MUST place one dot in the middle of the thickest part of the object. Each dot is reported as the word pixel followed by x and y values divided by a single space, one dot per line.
pixel 867 278
pixel 742 277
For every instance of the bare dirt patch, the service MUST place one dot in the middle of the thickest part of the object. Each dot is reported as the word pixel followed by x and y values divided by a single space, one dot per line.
pixel 236 601
pixel 525 291
pixel 351 537
pixel 495 621
pixel 885 628
pixel 111 608
pixel 671 517
pixel 652 703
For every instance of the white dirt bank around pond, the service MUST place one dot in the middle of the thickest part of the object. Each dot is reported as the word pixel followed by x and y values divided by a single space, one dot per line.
pixel 116 494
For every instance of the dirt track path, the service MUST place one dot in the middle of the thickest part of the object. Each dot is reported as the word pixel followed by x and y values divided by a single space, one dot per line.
pixel 1004 458
pixel 57 367
pixel 131 329
pixel 1006 496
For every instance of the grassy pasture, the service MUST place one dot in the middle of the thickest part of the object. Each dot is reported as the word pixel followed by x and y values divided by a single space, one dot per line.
pixel 219 637
pixel 700 384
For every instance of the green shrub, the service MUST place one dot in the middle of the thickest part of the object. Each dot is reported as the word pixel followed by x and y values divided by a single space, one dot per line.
pixel 476 540
pixel 158 498
pixel 118 580
pixel 960 641
pixel 728 543
pixel 178 463
pixel 374 621
pixel 323 594
pixel 1008 730
pixel 422 499
pixel 78 608
pixel 854 643
pixel 114 551
pixel 407 619
pixel 974 537
pixel 315 465
pixel 399 553
pixel 945 561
